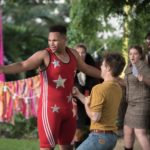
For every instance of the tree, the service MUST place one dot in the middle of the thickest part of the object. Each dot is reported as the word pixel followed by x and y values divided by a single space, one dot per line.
pixel 87 18
pixel 84 23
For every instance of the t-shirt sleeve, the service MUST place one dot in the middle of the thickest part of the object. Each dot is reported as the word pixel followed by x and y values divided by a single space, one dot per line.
pixel 96 99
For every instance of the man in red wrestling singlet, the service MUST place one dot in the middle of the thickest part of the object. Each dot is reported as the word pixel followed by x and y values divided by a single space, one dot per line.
pixel 58 63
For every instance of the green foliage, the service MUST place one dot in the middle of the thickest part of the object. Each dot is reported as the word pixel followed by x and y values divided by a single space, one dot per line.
pixel 83 25
pixel 22 128
pixel 139 27
pixel 88 17
pixel 26 24
pixel 114 44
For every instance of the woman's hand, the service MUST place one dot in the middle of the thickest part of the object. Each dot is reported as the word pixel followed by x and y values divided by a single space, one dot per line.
pixel 144 79
pixel 140 77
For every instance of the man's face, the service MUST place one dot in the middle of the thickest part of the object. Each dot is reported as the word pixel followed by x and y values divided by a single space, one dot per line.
pixel 56 41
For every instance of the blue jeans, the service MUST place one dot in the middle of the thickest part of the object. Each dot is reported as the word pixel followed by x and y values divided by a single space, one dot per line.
pixel 99 141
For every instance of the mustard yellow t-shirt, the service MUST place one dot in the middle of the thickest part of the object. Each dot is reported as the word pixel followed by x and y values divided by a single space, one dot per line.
pixel 105 98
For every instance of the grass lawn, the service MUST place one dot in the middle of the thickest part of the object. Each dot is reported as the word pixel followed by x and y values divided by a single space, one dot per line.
pixel 16 144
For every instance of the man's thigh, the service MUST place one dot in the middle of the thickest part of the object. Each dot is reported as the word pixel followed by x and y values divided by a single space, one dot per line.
pixel 67 131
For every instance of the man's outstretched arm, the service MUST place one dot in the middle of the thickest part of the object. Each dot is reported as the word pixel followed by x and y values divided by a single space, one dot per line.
pixel 32 62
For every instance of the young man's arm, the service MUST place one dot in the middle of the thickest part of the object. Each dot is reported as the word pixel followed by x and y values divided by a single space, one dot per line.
pixel 94 116
pixel 32 62
pixel 88 69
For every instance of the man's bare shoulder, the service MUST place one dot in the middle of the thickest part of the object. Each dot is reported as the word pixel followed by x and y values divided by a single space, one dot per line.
pixel 41 54
pixel 44 57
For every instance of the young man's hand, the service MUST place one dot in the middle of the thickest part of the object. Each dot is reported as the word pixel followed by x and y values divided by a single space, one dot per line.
pixel 75 92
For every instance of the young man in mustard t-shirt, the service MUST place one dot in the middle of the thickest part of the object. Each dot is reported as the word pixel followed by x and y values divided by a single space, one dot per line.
pixel 102 105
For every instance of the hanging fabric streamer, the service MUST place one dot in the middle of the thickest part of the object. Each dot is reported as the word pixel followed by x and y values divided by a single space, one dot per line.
pixel 19 96
pixel 1 45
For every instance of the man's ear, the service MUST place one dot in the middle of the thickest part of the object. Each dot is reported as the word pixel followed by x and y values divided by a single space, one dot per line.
pixel 65 38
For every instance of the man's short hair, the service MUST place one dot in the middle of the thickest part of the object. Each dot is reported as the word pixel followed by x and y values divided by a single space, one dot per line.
pixel 58 28
pixel 116 62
